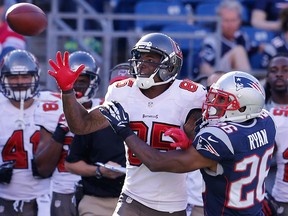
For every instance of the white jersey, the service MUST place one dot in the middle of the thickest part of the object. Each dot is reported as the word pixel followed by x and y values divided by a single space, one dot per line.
pixel 280 188
pixel 195 187
pixel 20 145
pixel 47 115
pixel 150 118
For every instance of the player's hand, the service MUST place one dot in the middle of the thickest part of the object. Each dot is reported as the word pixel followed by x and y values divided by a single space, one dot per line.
pixel 110 173
pixel 64 76
pixel 117 118
pixel 180 138
pixel 6 171
pixel 199 124
pixel 61 130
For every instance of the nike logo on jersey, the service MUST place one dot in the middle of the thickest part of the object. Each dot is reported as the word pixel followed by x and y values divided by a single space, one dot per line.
pixel 204 144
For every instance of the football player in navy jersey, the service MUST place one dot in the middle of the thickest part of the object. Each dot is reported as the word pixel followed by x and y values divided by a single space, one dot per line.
pixel 233 147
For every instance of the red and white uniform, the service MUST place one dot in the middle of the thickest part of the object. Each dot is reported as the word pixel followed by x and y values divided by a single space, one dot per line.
pixel 47 115
pixel 20 145
pixel 150 118
pixel 280 188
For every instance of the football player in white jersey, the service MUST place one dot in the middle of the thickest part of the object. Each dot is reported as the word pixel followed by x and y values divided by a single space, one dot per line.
pixel 55 137
pixel 155 101
pixel 280 187
pixel 277 105
pixel 20 192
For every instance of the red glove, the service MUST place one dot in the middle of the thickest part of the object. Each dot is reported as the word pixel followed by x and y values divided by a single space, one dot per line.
pixel 64 76
pixel 179 137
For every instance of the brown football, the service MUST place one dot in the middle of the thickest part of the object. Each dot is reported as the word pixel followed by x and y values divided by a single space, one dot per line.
pixel 26 19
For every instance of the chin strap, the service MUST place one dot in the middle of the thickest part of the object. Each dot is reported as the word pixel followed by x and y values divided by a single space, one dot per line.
pixel 20 123
pixel 146 83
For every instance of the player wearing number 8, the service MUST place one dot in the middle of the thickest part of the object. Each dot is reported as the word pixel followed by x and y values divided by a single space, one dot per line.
pixel 155 101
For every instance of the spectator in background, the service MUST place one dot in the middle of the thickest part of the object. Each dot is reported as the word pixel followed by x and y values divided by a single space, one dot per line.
pixel 265 14
pixel 234 44
pixel 55 137
pixel 279 43
pixel 101 187
pixel 9 40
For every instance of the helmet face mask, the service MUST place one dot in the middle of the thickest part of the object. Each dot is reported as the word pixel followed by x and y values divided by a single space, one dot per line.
pixel 91 70
pixel 19 65
pixel 218 102
pixel 168 67
pixel 237 96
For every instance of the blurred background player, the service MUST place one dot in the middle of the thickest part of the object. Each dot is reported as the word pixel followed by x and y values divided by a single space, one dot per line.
pixel 276 85
pixel 101 187
pixel 280 186
pixel 21 193
pixel 56 138
pixel 265 14
pixel 234 45
pixel 120 72
pixel 276 102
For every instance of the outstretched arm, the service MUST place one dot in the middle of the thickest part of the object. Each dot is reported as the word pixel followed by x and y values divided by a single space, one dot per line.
pixel 79 120
pixel 177 161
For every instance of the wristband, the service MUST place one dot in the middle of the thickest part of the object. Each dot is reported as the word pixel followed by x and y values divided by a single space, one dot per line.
pixel 59 134
pixel 68 91
pixel 125 132
pixel 98 173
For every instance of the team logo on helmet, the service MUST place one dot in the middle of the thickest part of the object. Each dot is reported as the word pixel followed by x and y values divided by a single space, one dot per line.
pixel 177 50
pixel 243 82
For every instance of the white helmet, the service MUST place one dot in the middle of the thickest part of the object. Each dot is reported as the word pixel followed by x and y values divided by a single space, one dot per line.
pixel 237 96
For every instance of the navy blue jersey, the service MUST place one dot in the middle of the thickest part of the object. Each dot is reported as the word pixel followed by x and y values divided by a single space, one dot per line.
pixel 277 45
pixel 272 8
pixel 243 152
